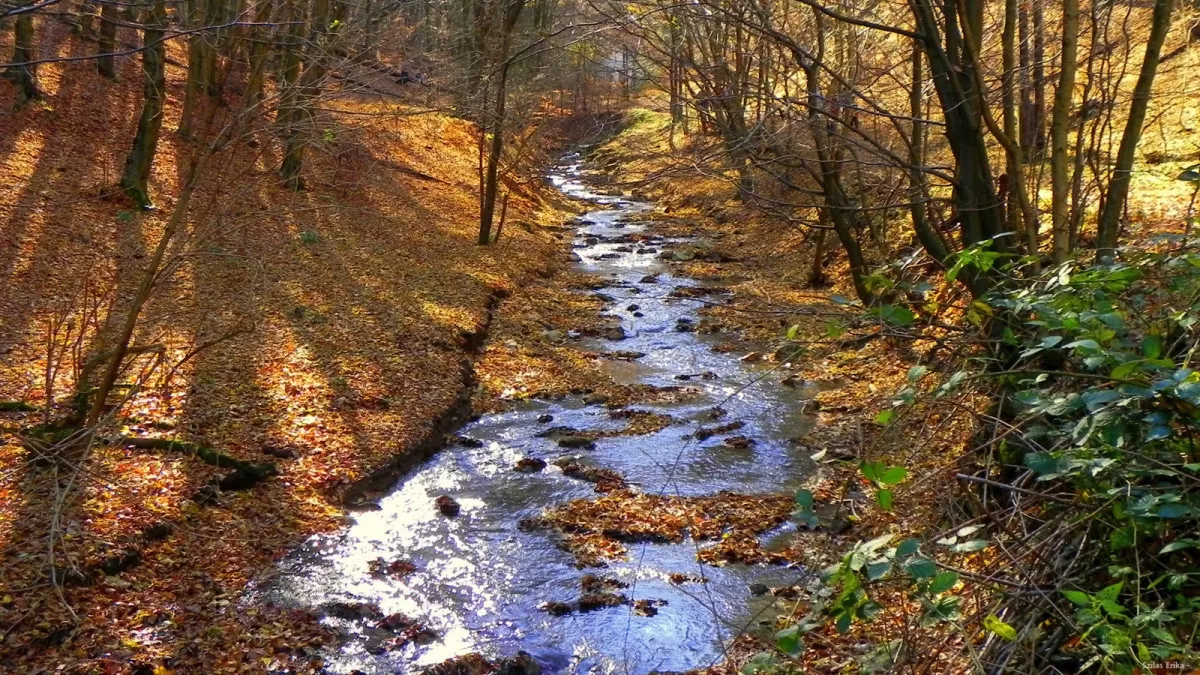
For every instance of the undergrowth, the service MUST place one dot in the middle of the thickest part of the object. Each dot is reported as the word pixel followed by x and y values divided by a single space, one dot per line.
pixel 1077 513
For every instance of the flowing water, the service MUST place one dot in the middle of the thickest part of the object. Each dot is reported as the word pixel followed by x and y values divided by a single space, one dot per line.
pixel 481 580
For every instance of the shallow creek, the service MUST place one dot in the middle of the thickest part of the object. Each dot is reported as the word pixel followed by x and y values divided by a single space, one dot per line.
pixel 481 581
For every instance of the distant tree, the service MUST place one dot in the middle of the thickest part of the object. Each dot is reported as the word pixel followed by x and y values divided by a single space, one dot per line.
pixel 511 12
pixel 303 92
pixel 1114 202
pixel 136 176
pixel 105 60
pixel 23 71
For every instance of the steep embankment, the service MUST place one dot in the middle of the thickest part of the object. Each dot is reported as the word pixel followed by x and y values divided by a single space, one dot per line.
pixel 326 332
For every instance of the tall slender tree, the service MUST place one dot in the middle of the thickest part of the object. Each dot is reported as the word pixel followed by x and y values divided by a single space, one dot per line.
pixel 136 177
pixel 24 70
pixel 1118 190
pixel 105 60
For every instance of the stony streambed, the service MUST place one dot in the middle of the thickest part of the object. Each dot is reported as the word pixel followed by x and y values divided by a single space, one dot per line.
pixel 415 582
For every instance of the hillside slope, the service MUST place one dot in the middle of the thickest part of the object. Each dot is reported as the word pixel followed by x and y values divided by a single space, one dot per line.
pixel 325 331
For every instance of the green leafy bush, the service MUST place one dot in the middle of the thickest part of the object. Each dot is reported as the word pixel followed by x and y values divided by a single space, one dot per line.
pixel 1091 521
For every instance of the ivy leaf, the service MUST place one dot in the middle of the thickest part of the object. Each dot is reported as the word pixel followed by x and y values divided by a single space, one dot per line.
pixel 1124 370
pixel 1078 598
pixel 897 315
pixel 884 498
pixel 885 417
pixel 1179 545
pixel 1189 175
pixel 1152 346
pixel 872 470
pixel 788 641
pixel 804 499
pixel 843 622
pixel 1121 538
pixel 907 548
pixel 920 568
pixel 1110 593
pixel 1042 463
pixel 1173 511
pixel 943 582
pixel 894 475
pixel 869 610
pixel 1158 432
pixel 1095 399
pixel 761 662
pixel 877 571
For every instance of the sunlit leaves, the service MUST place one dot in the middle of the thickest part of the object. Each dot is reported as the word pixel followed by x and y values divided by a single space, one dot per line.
pixel 942 582
pixel 788 641
pixel 970 546
pixel 993 624
pixel 920 568
pixel 883 477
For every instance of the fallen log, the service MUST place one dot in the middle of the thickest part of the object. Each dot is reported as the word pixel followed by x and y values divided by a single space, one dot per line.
pixel 245 474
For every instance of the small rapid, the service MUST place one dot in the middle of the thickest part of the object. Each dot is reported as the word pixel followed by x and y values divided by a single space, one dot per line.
pixel 480 582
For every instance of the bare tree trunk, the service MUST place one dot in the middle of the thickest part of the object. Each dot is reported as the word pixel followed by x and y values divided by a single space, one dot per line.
pixel 1039 79
pixel 1118 191
pixel 120 350
pixel 136 177
pixel 1028 120
pixel 260 44
pixel 1060 131
pixel 492 177
pixel 23 71
pixel 105 64
pixel 1078 197
pixel 299 120
pixel 837 206
pixel 1060 128
pixel 675 74
pixel 930 239
pixel 87 20
pixel 289 104
pixel 976 202
pixel 208 44
pixel 1009 103
pixel 196 77
pixel 816 273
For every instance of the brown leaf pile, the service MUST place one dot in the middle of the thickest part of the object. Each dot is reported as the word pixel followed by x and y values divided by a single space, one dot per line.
pixel 596 530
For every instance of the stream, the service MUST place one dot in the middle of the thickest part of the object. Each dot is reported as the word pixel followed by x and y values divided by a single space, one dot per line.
pixel 480 581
